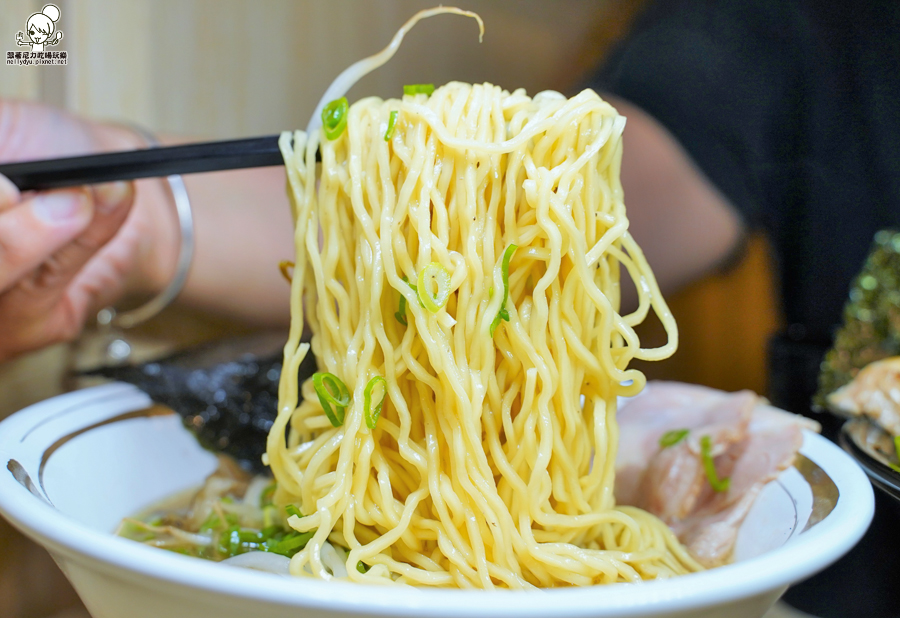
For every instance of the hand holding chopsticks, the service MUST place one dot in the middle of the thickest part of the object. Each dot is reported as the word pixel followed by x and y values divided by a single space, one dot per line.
pixel 65 253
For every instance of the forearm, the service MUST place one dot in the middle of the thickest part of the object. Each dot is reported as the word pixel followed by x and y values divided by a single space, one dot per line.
pixel 243 229
pixel 684 225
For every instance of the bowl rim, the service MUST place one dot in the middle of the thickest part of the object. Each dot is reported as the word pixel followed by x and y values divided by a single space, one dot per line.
pixel 802 556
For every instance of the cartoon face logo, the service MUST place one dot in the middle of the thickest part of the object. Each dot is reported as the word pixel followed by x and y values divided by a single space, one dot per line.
pixel 40 29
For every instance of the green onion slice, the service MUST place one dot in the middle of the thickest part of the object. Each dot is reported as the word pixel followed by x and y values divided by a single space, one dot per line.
pixel 230 541
pixel 334 118
pixel 269 515
pixel 362 567
pixel 295 542
pixel 503 314
pixel 265 498
pixel 440 276
pixel 250 536
pixel 288 544
pixel 293 510
pixel 392 121
pixel 332 392
pixel 374 412
pixel 718 485
pixel 418 89
pixel 414 288
pixel 673 437
pixel 401 313
pixel 212 522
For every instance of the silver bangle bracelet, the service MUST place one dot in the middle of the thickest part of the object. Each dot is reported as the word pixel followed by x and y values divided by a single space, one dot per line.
pixel 128 319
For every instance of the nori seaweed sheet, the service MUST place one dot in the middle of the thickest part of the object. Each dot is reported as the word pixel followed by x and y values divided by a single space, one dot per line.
pixel 871 328
pixel 225 392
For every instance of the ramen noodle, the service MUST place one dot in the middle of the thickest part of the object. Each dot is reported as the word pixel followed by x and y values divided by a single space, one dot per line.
pixel 458 260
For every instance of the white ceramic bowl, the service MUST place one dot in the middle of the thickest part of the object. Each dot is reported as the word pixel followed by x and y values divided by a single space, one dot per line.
pixel 75 465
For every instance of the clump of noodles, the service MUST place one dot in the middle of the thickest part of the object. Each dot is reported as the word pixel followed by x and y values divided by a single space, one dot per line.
pixel 492 464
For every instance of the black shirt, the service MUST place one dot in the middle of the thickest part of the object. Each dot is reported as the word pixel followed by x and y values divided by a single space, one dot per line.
pixel 792 109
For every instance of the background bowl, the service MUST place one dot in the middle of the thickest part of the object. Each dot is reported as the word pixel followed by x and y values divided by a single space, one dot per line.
pixel 77 464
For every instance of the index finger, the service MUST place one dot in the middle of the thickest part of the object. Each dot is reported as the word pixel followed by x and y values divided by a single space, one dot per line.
pixel 36 228
pixel 9 193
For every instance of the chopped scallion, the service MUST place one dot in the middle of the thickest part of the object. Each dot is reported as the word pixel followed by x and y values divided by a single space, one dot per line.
pixel 269 514
pixel 718 485
pixel 292 543
pixel 439 276
pixel 284 543
pixel 362 567
pixel 392 121
pixel 250 536
pixel 412 286
pixel 332 392
pixel 374 412
pixel 265 498
pixel 673 437
pixel 334 118
pixel 401 312
pixel 212 522
pixel 230 541
pixel 293 510
pixel 418 89
pixel 503 314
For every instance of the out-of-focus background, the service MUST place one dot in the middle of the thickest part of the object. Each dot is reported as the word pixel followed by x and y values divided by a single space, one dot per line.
pixel 231 68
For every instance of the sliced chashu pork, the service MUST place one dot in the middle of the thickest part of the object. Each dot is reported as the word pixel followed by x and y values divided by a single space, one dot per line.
pixel 874 392
pixel 751 444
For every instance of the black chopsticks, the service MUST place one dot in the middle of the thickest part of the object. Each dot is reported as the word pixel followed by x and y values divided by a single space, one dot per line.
pixel 145 163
